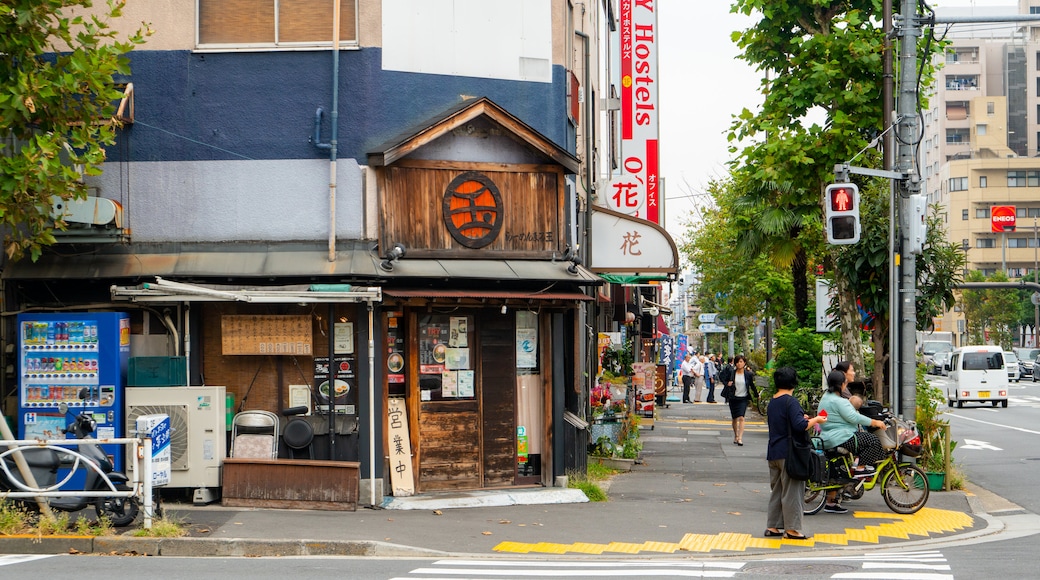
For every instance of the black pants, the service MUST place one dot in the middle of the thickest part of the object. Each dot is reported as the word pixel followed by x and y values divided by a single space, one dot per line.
pixel 687 382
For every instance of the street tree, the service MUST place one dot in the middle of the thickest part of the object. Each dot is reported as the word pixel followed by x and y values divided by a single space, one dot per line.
pixel 991 314
pixel 817 58
pixel 744 287
pixel 865 268
pixel 60 60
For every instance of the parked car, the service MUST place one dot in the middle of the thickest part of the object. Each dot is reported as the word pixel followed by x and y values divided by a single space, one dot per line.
pixel 940 363
pixel 1013 368
pixel 1026 356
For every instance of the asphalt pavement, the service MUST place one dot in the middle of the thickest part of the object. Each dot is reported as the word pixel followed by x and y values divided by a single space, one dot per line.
pixel 693 492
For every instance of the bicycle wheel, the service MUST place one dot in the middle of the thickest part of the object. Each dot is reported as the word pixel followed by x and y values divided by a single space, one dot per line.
pixel 813 500
pixel 907 493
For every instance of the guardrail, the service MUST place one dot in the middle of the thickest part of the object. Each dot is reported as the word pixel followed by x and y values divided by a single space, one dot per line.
pixel 140 484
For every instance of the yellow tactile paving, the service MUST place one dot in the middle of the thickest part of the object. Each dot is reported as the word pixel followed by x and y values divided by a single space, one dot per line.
pixel 927 522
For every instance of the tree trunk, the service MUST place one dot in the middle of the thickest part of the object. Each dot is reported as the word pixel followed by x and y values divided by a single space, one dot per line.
pixel 800 278
pixel 850 323
pixel 880 378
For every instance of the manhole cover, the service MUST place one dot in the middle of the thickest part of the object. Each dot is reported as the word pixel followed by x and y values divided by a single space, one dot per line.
pixel 796 569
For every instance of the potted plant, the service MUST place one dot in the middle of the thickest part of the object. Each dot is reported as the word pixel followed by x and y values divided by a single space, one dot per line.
pixel 936 446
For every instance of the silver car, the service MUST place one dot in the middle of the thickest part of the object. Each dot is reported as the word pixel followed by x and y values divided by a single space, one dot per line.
pixel 1011 362
pixel 1026 356
pixel 940 364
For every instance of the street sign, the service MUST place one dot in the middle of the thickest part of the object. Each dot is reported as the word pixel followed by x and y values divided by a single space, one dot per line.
pixel 712 327
pixel 708 317
pixel 1035 298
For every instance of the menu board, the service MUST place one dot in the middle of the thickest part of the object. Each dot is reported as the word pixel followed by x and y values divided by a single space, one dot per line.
pixel 265 335
pixel 395 353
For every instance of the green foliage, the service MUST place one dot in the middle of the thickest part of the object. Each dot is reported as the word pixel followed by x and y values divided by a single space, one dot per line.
pixel 14 520
pixel 737 286
pixel 992 309
pixel 931 426
pixel 590 488
pixel 598 471
pixel 164 527
pixel 59 60
pixel 802 348
pixel 603 447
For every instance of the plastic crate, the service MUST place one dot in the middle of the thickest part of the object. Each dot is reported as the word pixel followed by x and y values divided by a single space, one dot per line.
pixel 157 371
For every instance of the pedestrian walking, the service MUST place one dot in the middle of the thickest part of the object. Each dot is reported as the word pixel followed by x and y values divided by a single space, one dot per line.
pixel 686 376
pixel 711 373
pixel 698 377
pixel 786 419
pixel 738 388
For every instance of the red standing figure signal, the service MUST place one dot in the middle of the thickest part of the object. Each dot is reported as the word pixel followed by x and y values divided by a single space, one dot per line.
pixel 842 213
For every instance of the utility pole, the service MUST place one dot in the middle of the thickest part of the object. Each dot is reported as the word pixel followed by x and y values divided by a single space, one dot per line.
pixel 908 133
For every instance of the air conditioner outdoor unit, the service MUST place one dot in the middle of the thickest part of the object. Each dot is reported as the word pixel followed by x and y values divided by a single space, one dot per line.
pixel 199 431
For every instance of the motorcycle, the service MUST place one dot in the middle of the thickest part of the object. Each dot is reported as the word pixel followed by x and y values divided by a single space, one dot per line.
pixel 44 463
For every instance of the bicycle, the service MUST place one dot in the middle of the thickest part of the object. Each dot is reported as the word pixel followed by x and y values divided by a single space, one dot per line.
pixel 904 486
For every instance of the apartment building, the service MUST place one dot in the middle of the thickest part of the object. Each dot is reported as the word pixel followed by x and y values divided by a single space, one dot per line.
pixel 980 145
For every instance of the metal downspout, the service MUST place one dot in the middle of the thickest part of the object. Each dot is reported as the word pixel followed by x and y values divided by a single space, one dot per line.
pixel 335 131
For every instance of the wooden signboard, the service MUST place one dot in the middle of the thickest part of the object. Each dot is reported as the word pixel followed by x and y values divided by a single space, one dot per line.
pixel 265 335
pixel 401 479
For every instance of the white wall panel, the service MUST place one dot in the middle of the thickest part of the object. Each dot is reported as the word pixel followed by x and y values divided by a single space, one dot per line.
pixel 217 201
pixel 500 39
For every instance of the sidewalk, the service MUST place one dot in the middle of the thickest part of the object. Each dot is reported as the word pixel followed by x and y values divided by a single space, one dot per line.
pixel 694 494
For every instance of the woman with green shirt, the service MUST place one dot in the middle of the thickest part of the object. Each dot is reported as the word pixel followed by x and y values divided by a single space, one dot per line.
pixel 842 429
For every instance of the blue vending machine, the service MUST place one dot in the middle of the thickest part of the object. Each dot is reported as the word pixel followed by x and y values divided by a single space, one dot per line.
pixel 60 356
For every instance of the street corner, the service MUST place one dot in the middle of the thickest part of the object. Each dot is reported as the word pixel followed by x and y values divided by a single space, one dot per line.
pixel 928 523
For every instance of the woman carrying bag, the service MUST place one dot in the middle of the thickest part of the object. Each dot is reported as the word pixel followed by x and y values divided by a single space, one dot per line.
pixel 738 386
pixel 786 419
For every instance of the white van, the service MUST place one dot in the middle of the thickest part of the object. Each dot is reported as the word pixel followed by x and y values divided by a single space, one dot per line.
pixel 978 373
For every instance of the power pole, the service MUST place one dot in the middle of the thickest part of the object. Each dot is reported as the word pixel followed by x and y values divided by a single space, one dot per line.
pixel 908 134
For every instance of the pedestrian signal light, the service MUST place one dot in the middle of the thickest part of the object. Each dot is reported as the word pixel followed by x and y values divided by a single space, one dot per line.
pixel 842 213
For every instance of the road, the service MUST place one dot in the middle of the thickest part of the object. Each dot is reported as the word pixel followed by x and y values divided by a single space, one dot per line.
pixel 997 448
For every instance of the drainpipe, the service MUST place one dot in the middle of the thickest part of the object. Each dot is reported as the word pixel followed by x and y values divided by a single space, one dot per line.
pixel 334 118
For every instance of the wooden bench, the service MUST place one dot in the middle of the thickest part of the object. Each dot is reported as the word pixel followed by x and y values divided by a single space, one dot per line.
pixel 291 484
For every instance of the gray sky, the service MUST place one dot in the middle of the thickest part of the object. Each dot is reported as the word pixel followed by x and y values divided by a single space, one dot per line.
pixel 703 85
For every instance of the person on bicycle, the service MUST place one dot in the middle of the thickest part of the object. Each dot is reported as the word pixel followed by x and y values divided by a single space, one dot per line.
pixel 842 429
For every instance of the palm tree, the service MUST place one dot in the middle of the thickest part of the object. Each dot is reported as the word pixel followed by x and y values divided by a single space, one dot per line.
pixel 773 217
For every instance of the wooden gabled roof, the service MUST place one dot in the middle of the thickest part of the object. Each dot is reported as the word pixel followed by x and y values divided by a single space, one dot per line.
pixel 463 113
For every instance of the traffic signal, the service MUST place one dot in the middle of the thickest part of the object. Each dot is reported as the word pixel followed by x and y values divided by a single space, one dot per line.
pixel 842 215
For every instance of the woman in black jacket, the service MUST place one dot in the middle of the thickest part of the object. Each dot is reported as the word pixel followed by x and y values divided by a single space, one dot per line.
pixel 738 388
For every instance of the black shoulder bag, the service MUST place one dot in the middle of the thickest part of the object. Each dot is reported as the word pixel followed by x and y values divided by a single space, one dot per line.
pixel 803 463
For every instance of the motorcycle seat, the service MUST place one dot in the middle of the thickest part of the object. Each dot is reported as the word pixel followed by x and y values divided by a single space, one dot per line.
pixel 37 457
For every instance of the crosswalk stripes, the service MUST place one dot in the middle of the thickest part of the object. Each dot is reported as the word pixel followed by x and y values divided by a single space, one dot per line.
pixel 893 565
pixel 12 559
pixel 468 569
pixel 925 565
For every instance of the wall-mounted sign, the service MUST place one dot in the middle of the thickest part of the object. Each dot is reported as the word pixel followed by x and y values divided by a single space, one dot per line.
pixel 1002 218
pixel 625 244
pixel 472 209
pixel 265 335
pixel 638 188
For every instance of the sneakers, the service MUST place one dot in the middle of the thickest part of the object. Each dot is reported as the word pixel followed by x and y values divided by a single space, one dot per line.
pixel 834 508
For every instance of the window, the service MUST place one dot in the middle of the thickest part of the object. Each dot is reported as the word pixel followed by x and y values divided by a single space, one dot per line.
pixel 1034 212
pixel 989 108
pixel 957 136
pixel 982 213
pixel 1018 242
pixel 273 23
pixel 1016 178
pixel 1034 10
pixel 982 361
pixel 964 214
pixel 1021 212
pixel 1033 178
pixel 980 129
pixel 982 181
pixel 985 243
pixel 958 184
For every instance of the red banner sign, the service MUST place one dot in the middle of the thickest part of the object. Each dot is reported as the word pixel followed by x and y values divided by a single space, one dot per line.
pixel 1002 218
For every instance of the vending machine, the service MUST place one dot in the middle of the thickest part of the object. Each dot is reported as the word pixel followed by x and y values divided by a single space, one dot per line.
pixel 76 358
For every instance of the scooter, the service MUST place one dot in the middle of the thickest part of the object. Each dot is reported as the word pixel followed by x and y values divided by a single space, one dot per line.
pixel 44 463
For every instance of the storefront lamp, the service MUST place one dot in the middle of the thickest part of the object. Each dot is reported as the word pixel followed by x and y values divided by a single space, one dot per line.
pixel 393 254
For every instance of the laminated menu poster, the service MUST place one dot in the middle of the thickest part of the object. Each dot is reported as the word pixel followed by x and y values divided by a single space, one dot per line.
pixel 449 384
pixel 458 335
pixel 466 383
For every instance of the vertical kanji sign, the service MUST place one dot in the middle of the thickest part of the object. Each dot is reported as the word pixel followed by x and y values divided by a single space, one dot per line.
pixel 401 480
pixel 635 192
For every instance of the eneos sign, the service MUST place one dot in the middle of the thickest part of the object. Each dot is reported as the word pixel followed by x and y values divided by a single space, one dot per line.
pixel 1002 218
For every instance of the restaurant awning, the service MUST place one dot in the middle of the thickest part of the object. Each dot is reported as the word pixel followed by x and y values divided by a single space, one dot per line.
pixel 491 294
pixel 169 291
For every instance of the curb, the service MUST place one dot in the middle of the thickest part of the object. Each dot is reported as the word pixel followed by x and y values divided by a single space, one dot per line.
pixel 206 547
